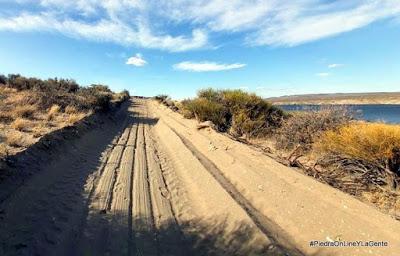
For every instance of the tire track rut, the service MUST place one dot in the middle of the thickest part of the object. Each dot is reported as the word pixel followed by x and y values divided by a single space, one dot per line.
pixel 273 232
pixel 130 199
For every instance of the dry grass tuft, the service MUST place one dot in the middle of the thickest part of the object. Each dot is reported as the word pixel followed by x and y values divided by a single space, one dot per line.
pixel 71 110
pixel 21 124
pixel 24 111
pixel 15 140
pixel 3 150
pixel 375 143
pixel 73 118
pixel 368 152
pixel 39 130
pixel 52 112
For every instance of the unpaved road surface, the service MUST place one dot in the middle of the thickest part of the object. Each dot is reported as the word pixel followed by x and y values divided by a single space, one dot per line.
pixel 148 183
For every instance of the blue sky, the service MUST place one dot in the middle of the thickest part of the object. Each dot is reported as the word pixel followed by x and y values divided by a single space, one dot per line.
pixel 270 47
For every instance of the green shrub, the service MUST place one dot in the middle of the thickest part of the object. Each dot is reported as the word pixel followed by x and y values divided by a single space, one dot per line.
pixel 206 110
pixel 238 112
pixel 96 97
pixel 209 94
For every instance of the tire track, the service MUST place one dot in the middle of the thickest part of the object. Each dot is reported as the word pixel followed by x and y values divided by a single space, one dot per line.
pixel 125 220
pixel 104 191
pixel 269 228
pixel 143 225
pixel 121 207
pixel 97 230
pixel 170 240
pixel 44 216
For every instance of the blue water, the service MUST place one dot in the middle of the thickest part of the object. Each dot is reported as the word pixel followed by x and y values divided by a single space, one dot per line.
pixel 373 113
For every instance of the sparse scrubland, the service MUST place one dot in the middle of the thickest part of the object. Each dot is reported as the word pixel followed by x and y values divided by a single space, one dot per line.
pixel 359 158
pixel 31 107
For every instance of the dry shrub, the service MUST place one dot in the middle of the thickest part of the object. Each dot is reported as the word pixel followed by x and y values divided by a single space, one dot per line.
pixel 370 150
pixel 387 201
pixel 121 96
pixel 6 116
pixel 63 92
pixel 302 129
pixel 73 118
pixel 21 124
pixel 24 111
pixel 53 111
pixel 15 140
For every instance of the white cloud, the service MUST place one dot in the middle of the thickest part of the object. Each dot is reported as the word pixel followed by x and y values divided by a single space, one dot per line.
pixel 322 74
pixel 335 65
pixel 304 23
pixel 206 66
pixel 106 30
pixel 153 23
pixel 136 60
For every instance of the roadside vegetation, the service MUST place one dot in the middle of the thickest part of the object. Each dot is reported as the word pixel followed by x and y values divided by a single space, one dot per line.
pixel 31 107
pixel 233 111
pixel 359 158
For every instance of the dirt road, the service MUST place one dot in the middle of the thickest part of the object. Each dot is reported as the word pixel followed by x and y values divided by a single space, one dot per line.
pixel 148 183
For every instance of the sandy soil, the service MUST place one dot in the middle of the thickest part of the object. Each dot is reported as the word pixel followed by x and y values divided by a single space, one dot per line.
pixel 147 182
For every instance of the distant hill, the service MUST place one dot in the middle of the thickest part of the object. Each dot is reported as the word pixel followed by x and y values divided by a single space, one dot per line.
pixel 339 98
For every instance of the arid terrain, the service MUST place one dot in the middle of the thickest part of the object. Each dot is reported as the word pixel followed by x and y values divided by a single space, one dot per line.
pixel 339 98
pixel 145 181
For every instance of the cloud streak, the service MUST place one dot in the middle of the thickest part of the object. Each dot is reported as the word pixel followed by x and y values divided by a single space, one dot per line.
pixel 206 66
pixel 335 65
pixel 105 30
pixel 323 74
pixel 153 23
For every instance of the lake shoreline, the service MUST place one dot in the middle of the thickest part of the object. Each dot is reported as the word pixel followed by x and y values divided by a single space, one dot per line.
pixel 387 113
pixel 336 103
